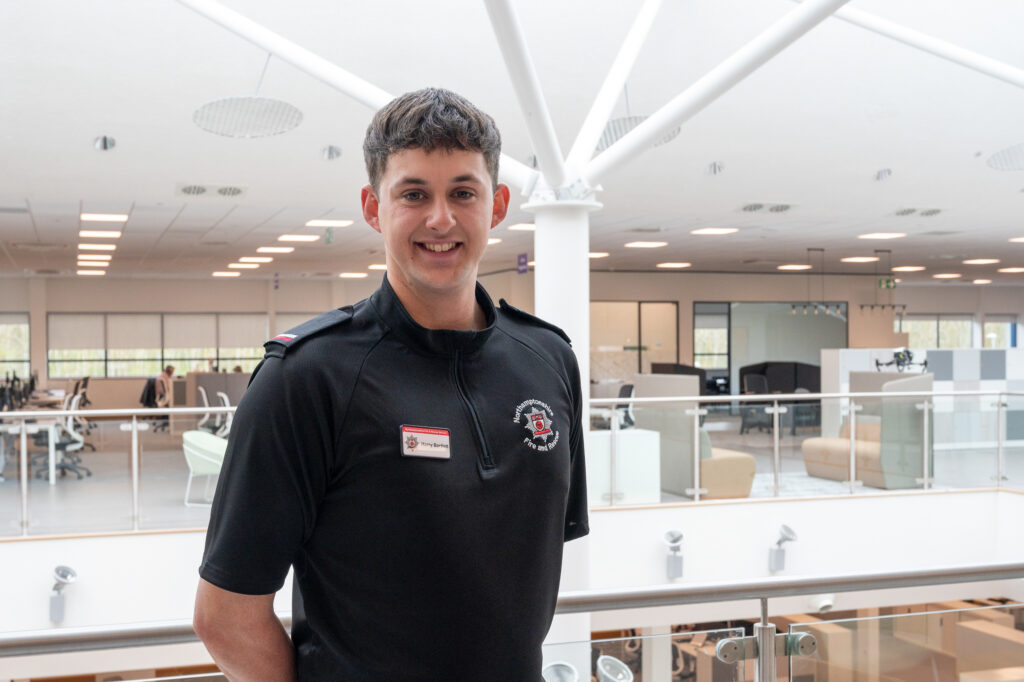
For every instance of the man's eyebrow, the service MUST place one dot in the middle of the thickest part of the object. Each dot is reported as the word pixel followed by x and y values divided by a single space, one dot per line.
pixel 468 177
pixel 412 181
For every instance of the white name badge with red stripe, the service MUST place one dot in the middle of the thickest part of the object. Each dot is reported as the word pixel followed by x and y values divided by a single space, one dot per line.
pixel 426 441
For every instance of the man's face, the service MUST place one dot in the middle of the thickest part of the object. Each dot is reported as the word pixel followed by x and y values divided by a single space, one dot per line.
pixel 435 211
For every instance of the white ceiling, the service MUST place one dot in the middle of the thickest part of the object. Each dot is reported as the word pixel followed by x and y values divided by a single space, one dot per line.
pixel 810 129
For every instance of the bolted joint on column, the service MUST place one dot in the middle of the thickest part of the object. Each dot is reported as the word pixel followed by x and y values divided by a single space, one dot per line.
pixel 577 193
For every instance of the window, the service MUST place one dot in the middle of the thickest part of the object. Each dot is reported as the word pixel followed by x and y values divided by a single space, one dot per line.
pixel 937 331
pixel 627 336
pixel 999 331
pixel 14 346
pixel 141 344
pixel 711 335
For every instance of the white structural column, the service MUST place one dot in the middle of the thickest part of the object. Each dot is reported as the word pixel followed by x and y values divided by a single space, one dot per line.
pixel 712 85
pixel 527 88
pixel 593 126
pixel 932 45
pixel 513 172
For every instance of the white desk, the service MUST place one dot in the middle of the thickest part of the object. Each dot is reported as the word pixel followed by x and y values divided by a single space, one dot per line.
pixel 637 467
pixel 51 432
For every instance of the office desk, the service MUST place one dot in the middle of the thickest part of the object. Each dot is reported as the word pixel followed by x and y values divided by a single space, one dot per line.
pixel 50 425
pixel 637 467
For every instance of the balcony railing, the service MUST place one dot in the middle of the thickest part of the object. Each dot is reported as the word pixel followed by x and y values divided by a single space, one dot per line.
pixel 640 451
pixel 954 639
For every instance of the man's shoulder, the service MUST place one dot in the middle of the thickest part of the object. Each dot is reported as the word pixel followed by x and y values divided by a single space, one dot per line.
pixel 524 324
pixel 338 326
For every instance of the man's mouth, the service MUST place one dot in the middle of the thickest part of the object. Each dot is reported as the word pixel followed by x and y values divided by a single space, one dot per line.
pixel 439 247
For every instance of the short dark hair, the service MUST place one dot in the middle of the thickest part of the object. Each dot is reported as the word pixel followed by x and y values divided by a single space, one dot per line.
pixel 429 119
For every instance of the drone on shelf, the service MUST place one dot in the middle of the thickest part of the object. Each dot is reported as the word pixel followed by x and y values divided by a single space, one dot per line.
pixel 903 359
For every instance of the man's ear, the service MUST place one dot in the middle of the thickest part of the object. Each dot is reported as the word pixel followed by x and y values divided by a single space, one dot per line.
pixel 500 208
pixel 371 207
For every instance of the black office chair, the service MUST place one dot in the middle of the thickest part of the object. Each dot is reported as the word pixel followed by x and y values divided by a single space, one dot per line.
pixel 70 442
pixel 753 415
pixel 625 410
pixel 148 399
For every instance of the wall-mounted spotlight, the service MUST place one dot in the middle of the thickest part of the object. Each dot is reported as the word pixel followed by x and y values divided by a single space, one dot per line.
pixel 674 563
pixel 611 669
pixel 559 671
pixel 777 554
pixel 64 576
pixel 822 603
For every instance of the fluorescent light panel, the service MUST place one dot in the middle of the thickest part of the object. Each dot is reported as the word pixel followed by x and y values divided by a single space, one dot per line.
pixel 1011 270
pixel 222 273
pixel 100 234
pixel 353 275
pixel 794 266
pixel 90 273
pixel 908 268
pixel 981 261
pixel 673 265
pixel 715 230
pixel 882 235
pixel 598 254
pixel 321 222
pixel 523 227
pixel 243 266
pixel 94 256
pixel 645 245
pixel 298 238
pixel 859 259
pixel 378 266
pixel 493 240
pixel 93 264
pixel 97 247
pixel 949 275
pixel 255 259
pixel 103 217
pixel 275 249
pixel 983 281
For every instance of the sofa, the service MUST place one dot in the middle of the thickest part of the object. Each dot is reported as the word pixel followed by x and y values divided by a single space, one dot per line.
pixel 887 444
pixel 723 473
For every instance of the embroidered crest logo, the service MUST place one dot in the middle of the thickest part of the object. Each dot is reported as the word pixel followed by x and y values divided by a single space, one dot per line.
pixel 537 418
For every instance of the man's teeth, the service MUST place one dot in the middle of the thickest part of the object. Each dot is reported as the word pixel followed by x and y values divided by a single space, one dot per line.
pixel 440 248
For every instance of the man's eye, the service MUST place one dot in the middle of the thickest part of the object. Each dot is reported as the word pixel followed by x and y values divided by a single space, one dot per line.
pixel 464 194
pixel 413 196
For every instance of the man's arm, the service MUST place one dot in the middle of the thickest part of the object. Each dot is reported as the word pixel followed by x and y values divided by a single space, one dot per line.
pixel 243 635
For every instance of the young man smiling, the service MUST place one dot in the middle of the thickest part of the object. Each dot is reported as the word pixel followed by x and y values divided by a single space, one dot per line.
pixel 416 457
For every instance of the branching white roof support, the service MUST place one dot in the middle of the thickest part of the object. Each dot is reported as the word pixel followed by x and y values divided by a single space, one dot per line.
pixel 712 85
pixel 513 172
pixel 593 126
pixel 527 88
pixel 931 45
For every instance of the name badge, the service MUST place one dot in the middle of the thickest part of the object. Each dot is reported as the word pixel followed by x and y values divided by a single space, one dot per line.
pixel 425 441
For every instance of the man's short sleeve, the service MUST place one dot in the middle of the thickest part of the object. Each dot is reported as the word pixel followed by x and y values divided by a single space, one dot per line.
pixel 577 521
pixel 273 478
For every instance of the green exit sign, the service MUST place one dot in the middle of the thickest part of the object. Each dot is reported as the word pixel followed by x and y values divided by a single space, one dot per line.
pixel 886 283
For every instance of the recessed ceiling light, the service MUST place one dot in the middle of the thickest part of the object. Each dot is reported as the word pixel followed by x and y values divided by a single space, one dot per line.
pixel 672 265
pixel 93 264
pixel 523 227
pixel 378 266
pixel 983 281
pixel 882 235
pixel 91 273
pixel 298 238
pixel 908 268
pixel 97 247
pixel 897 280
pixel 353 275
pixel 1011 270
pixel 320 222
pixel 275 249
pixel 1018 240
pixel 794 266
pixel 530 263
pixel 598 254
pixel 103 217
pixel 981 261
pixel 859 259
pixel 223 273
pixel 243 266
pixel 715 230
pixel 94 256
pixel 645 245
pixel 493 240
pixel 950 275
pixel 255 259
pixel 100 234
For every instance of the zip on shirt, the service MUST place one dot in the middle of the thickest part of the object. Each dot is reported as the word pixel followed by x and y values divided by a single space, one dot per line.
pixel 485 455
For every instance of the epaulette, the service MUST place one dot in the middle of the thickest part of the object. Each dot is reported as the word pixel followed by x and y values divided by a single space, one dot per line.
pixel 531 319
pixel 278 346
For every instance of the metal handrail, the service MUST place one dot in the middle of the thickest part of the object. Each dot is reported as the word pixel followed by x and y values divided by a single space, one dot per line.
pixel 88 638
pixel 797 397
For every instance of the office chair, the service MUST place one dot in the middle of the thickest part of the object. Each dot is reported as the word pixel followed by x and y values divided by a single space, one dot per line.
pixel 225 428
pixel 624 411
pixel 70 442
pixel 753 415
pixel 201 424
pixel 148 399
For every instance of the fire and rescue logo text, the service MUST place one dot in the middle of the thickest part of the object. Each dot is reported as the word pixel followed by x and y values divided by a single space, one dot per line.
pixel 538 419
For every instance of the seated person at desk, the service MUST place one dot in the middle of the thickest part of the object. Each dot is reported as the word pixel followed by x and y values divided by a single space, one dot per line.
pixel 163 385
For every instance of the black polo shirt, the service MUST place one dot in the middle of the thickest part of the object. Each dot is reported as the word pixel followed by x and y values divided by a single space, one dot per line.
pixel 421 482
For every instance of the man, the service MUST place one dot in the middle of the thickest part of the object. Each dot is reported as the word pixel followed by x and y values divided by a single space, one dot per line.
pixel 417 457
pixel 162 385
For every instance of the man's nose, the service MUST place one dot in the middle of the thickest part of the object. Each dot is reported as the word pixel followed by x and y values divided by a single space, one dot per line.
pixel 441 216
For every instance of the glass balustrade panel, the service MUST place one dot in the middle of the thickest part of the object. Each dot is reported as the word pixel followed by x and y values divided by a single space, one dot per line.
pixel 941 642
pixel 736 450
pixel 965 432
pixel 814 459
pixel 1013 442
pixel 79 476
pixel 630 450
pixel 642 656
pixel 10 478
pixel 181 461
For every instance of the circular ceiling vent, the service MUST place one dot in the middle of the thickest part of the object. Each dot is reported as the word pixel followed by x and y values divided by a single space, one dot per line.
pixel 229 191
pixel 247 117
pixel 46 271
pixel 617 128
pixel 883 174
pixel 751 208
pixel 779 208
pixel 646 230
pixel 1009 159
pixel 928 212
pixel 906 211
pixel 193 190
pixel 39 247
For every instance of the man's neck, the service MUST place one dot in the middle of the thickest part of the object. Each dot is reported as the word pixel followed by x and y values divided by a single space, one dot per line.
pixel 457 311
